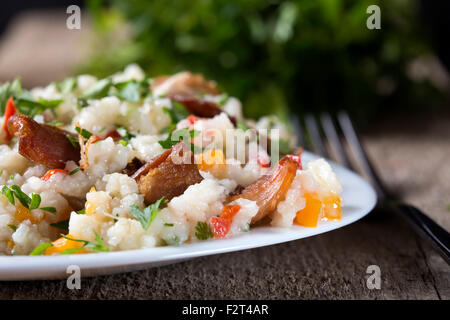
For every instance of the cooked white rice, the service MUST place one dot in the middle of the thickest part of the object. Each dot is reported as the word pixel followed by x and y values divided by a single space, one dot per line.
pixel 108 194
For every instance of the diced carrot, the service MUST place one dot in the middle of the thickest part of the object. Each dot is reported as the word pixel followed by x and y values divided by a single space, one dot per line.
pixel 212 161
pixel 51 172
pixel 309 216
pixel 228 212
pixel 62 244
pixel 332 207
pixel 9 111
pixel 23 214
pixel 210 158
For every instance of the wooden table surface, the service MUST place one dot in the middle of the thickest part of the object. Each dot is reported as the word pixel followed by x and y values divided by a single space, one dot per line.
pixel 411 154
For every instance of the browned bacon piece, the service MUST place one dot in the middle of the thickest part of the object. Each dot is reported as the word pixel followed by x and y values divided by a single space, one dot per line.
pixel 269 190
pixel 133 166
pixel 198 107
pixel 168 174
pixel 42 143
pixel 186 88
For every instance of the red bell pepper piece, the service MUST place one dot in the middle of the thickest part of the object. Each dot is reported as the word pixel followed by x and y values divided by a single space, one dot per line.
pixel 9 111
pixel 221 225
pixel 192 119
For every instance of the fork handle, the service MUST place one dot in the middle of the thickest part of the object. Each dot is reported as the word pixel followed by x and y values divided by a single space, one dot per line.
pixel 433 232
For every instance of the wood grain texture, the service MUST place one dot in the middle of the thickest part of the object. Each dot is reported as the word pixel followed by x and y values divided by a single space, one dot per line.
pixel 329 266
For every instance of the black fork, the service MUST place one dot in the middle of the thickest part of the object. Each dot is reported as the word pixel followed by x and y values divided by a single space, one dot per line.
pixel 321 131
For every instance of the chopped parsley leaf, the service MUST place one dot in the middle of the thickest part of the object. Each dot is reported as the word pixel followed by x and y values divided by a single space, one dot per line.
pixel 71 173
pixel 241 125
pixel 14 192
pixel 67 85
pixel 41 248
pixel 203 231
pixel 99 90
pixel 83 132
pixel 61 224
pixel 223 99
pixel 35 201
pixel 146 216
pixel 56 123
pixel 7 90
pixel 177 113
pixel 126 136
pixel 73 140
pixel 176 136
pixel 48 209
pixel 97 246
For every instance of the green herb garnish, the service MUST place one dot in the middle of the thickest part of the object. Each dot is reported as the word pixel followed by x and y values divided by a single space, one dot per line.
pixel 98 90
pixel 129 91
pixel 82 211
pixel 82 103
pixel 223 99
pixel 12 227
pixel 41 248
pixel 14 192
pixel 176 136
pixel 67 85
pixel 177 113
pixel 83 132
pixel 73 140
pixel 35 201
pixel 32 108
pixel 56 123
pixel 97 246
pixel 48 209
pixel 8 194
pixel 126 136
pixel 71 173
pixel 7 90
pixel 61 224
pixel 146 216
pixel 203 231
pixel 241 125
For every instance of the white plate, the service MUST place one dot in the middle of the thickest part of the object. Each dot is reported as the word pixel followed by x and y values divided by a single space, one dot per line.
pixel 359 199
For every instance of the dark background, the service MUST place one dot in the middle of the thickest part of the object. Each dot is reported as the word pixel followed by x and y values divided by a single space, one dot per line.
pixel 324 65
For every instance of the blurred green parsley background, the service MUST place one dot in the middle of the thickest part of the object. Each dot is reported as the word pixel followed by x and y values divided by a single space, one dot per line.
pixel 302 55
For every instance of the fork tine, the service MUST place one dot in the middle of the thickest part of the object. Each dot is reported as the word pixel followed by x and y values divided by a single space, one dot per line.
pixel 335 143
pixel 357 148
pixel 314 134
pixel 298 130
